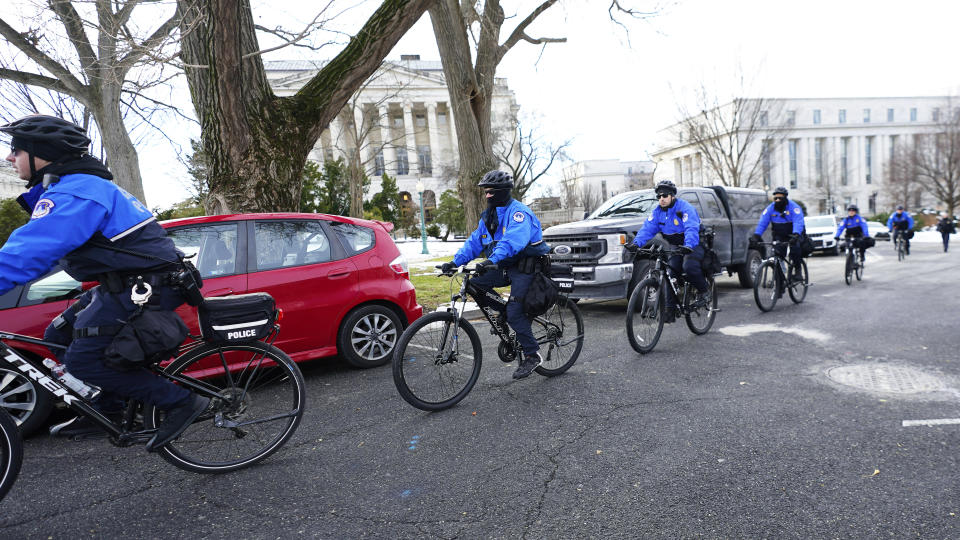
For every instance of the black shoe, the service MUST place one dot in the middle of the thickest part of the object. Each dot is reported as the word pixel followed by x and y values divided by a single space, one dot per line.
pixel 669 315
pixel 703 299
pixel 177 421
pixel 526 367
pixel 80 427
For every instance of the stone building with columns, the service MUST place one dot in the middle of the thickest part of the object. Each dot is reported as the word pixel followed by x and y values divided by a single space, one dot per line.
pixel 833 152
pixel 399 123
pixel 11 186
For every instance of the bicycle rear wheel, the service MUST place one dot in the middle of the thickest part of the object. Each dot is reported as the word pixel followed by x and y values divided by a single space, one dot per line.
pixel 700 318
pixel 798 289
pixel 645 316
pixel 848 269
pixel 765 287
pixel 257 400
pixel 11 452
pixel 561 330
pixel 430 368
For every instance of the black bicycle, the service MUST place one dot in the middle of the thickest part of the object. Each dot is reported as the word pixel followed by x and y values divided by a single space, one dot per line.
pixel 900 243
pixel 438 358
pixel 771 280
pixel 854 263
pixel 11 452
pixel 647 305
pixel 257 398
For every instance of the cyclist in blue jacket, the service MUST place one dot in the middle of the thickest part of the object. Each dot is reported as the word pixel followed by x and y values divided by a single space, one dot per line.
pixel 856 228
pixel 679 224
pixel 785 217
pixel 900 222
pixel 76 215
pixel 508 232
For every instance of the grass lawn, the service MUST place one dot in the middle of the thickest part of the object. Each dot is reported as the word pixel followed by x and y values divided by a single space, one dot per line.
pixel 434 289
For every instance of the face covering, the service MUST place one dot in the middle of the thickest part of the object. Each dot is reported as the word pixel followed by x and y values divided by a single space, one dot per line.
pixel 780 206
pixel 501 197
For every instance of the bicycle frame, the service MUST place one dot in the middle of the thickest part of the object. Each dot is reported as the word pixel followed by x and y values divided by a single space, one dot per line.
pixel 780 263
pixel 661 271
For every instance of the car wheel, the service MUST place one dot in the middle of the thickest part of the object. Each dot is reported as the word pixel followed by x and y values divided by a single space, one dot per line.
pixel 748 270
pixel 369 335
pixel 26 402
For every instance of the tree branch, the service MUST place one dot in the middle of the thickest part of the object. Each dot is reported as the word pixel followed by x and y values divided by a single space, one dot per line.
pixel 17 40
pixel 520 31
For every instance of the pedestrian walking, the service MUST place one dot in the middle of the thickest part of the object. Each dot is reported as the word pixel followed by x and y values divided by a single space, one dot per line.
pixel 946 227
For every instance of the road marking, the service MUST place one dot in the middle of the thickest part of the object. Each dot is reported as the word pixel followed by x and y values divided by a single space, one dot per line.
pixel 937 422
pixel 748 329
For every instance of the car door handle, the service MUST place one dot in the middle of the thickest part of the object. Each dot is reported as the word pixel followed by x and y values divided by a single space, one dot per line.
pixel 220 292
pixel 338 274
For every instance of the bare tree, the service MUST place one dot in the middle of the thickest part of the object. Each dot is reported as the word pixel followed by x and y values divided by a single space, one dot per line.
pixel 903 174
pixel 257 143
pixel 936 156
pixel 465 29
pixel 526 154
pixel 108 75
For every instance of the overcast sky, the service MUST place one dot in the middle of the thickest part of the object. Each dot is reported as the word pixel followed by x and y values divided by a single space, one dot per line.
pixel 610 92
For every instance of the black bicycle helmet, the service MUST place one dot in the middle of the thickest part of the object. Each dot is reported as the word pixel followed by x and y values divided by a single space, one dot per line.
pixel 853 207
pixel 666 186
pixel 780 191
pixel 47 137
pixel 497 179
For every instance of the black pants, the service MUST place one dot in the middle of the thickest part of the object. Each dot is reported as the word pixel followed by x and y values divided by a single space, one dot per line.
pixel 795 255
pixel 692 266
pixel 906 241
pixel 946 241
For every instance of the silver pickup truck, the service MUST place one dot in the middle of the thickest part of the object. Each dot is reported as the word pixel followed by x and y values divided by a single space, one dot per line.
pixel 602 269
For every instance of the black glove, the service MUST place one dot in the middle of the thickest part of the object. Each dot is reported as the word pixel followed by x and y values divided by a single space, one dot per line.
pixel 485 265
pixel 756 239
pixel 685 250
pixel 631 247
pixel 448 268
pixel 837 238
pixel 794 238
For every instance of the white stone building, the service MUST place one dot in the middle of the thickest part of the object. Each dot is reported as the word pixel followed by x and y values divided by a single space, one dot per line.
pixel 11 186
pixel 596 180
pixel 407 129
pixel 836 151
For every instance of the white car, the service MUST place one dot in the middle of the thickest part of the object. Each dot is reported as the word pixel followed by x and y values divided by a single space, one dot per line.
pixel 821 230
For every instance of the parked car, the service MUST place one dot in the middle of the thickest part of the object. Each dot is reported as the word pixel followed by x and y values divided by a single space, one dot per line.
pixel 878 230
pixel 603 269
pixel 821 229
pixel 341 282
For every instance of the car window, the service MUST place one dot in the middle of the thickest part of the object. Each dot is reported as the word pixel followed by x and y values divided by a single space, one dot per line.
pixel 354 238
pixel 628 204
pixel 748 206
pixel 214 247
pixel 691 197
pixel 281 244
pixel 52 288
pixel 711 206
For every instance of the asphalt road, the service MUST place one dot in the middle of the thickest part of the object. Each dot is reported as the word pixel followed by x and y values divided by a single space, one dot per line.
pixel 788 424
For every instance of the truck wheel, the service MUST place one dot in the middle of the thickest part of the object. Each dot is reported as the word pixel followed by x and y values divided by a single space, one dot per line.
pixel 748 269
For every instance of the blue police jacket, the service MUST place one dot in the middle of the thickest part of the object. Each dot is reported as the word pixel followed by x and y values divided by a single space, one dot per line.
pixel 680 218
pixel 519 228
pixel 897 221
pixel 851 224
pixel 792 215
pixel 66 217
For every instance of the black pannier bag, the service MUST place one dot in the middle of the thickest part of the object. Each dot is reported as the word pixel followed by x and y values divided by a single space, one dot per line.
pixel 711 263
pixel 868 242
pixel 149 336
pixel 562 275
pixel 806 244
pixel 244 317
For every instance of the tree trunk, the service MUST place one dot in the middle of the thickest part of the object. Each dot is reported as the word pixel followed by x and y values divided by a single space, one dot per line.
pixel 122 156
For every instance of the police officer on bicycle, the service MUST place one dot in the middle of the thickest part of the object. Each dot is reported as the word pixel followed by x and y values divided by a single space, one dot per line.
pixel 76 216
pixel 679 224
pixel 856 228
pixel 900 223
pixel 786 219
pixel 508 233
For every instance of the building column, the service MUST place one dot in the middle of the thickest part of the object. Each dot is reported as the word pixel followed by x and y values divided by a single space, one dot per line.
pixel 410 140
pixel 454 145
pixel 336 137
pixel 434 138
pixel 362 142
pixel 386 141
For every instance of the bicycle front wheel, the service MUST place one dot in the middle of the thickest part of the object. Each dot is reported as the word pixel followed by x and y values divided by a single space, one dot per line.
pixel 645 316
pixel 437 361
pixel 560 329
pixel 700 318
pixel 859 270
pixel 848 269
pixel 901 251
pixel 798 289
pixel 257 400
pixel 765 289
pixel 11 452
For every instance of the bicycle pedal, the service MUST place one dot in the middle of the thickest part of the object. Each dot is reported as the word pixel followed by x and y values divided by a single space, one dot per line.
pixel 87 436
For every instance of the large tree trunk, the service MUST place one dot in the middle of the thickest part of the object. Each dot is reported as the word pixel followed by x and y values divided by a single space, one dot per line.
pixel 122 157
pixel 256 143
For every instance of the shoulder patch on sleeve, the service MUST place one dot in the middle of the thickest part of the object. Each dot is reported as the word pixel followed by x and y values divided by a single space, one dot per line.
pixel 685 217
pixel 796 210
pixel 766 211
pixel 42 208
pixel 518 217
pixel 650 218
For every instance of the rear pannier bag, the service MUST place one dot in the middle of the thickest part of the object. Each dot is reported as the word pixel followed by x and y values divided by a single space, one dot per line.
pixel 562 275
pixel 245 317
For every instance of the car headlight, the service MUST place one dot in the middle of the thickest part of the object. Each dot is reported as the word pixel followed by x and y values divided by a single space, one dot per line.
pixel 615 250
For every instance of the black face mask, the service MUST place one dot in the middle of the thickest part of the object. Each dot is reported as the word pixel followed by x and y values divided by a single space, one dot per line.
pixel 85 164
pixel 780 206
pixel 500 197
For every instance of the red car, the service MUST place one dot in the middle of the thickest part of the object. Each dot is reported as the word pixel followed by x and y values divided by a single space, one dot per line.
pixel 341 282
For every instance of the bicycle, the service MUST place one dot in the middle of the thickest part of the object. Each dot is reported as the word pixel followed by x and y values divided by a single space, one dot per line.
pixel 900 243
pixel 431 370
pixel 771 280
pixel 256 392
pixel 647 305
pixel 854 263
pixel 11 452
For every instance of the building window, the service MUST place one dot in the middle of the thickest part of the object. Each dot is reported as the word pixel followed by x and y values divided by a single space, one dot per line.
pixel 866 116
pixel 913 114
pixel 844 147
pixel 936 114
pixel 603 189
pixel 378 164
pixel 420 120
pixel 916 198
pixel 423 154
pixel 893 146
pixel 793 163
pixel 442 119
pixel 868 159
pixel 816 116
pixel 403 164
pixel 889 115
pixel 398 121
pixel 327 154
pixel 818 160
pixel 763 118
pixel 791 118
pixel 766 151
pixel 872 204
pixel 842 116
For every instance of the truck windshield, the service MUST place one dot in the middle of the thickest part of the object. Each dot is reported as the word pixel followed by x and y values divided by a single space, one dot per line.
pixel 628 204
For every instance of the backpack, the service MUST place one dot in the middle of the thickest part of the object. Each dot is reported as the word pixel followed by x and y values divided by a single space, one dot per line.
pixel 541 295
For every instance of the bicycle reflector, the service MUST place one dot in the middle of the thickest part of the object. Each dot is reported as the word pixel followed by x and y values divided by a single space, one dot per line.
pixel 279 314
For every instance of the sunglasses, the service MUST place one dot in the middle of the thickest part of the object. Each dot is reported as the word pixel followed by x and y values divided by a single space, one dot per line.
pixel 663 195
pixel 779 198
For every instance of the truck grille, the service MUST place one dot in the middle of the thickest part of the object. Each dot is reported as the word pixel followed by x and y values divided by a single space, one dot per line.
pixel 583 248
